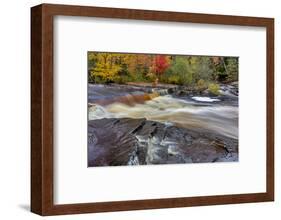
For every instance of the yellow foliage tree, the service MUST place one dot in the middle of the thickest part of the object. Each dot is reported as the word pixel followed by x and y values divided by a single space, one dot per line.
pixel 106 68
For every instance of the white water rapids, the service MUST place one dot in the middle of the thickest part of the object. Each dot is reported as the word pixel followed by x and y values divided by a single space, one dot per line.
pixel 217 118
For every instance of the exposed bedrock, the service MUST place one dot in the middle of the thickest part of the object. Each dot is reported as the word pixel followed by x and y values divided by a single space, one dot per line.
pixel 127 141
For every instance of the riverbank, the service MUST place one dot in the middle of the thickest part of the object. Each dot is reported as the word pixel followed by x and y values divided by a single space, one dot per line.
pixel 105 94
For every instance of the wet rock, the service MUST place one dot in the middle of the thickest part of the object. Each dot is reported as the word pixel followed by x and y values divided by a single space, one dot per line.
pixel 127 141
pixel 111 141
pixel 181 93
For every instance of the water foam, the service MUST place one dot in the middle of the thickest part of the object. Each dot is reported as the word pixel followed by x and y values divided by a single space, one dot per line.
pixel 204 99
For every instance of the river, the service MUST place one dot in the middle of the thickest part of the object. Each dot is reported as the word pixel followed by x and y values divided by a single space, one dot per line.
pixel 213 114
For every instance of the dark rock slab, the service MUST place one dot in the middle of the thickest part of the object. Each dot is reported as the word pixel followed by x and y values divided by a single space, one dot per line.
pixel 127 141
pixel 111 141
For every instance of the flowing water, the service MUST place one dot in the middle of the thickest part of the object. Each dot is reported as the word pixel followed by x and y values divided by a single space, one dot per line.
pixel 203 113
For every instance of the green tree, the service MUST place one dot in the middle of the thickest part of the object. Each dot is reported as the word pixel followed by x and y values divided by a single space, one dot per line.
pixel 232 68
pixel 180 71
pixel 205 68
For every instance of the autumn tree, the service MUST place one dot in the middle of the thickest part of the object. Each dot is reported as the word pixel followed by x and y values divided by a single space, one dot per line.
pixel 160 64
pixel 106 67
pixel 184 70
pixel 138 65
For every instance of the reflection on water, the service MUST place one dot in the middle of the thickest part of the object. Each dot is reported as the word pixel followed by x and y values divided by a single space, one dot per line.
pixel 216 117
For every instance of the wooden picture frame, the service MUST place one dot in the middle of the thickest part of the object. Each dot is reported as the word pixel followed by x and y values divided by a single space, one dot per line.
pixel 42 119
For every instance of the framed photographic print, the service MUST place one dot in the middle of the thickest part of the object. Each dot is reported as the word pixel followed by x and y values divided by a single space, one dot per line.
pixel 138 109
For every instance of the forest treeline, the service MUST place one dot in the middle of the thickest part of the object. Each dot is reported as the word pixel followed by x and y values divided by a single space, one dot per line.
pixel 201 71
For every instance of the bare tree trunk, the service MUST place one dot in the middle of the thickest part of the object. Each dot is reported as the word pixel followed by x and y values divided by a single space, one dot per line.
pixel 224 66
